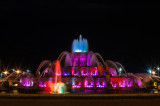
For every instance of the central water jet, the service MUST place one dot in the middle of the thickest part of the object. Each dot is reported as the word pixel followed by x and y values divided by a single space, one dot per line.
pixel 80 45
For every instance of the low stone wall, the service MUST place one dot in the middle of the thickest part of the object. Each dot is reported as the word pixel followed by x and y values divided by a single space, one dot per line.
pixel 79 96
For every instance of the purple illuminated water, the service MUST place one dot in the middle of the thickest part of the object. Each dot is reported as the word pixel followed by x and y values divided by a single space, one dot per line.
pixel 101 83
pixel 27 82
pixel 113 72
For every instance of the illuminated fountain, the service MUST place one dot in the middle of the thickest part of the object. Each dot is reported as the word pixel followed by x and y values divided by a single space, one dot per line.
pixel 81 70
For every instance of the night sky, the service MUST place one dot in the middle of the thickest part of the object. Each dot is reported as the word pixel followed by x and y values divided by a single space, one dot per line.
pixel 31 32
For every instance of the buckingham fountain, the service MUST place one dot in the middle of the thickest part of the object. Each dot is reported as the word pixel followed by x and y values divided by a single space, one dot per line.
pixel 80 71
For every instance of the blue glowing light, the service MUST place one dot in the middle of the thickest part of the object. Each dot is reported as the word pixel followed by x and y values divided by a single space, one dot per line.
pixel 80 45
pixel 150 71
pixel 120 69
pixel 66 73
pixel 28 71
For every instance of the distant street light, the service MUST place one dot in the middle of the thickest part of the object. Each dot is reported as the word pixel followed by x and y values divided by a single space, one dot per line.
pixel 5 73
pixel 158 70
pixel 153 72
pixel 18 71
pixel 150 71
pixel 13 69
pixel 120 69
pixel 28 71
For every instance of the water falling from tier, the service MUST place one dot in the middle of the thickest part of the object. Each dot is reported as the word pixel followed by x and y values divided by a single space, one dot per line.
pixel 80 45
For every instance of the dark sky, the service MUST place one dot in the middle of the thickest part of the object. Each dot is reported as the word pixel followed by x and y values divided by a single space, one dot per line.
pixel 38 30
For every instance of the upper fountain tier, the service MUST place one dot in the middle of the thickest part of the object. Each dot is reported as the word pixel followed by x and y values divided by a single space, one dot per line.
pixel 80 45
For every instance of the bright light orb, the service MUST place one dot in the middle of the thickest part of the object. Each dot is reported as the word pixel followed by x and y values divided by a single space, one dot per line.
pixel 59 88
pixel 5 72
pixel 150 71
pixel 120 69
pixel 13 70
pixel 153 72
pixel 27 71
pixel 18 71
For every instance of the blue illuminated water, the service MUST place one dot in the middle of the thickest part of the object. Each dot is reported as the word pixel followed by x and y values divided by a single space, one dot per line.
pixel 80 45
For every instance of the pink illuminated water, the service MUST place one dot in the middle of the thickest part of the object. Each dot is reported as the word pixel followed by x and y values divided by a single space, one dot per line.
pixel 88 83
pixel 27 82
pixel 113 72
pixel 121 82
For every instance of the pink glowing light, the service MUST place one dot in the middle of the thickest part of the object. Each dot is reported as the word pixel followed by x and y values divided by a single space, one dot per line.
pixel 75 71
pixel 84 72
pixel 121 82
pixel 87 84
pixel 101 83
